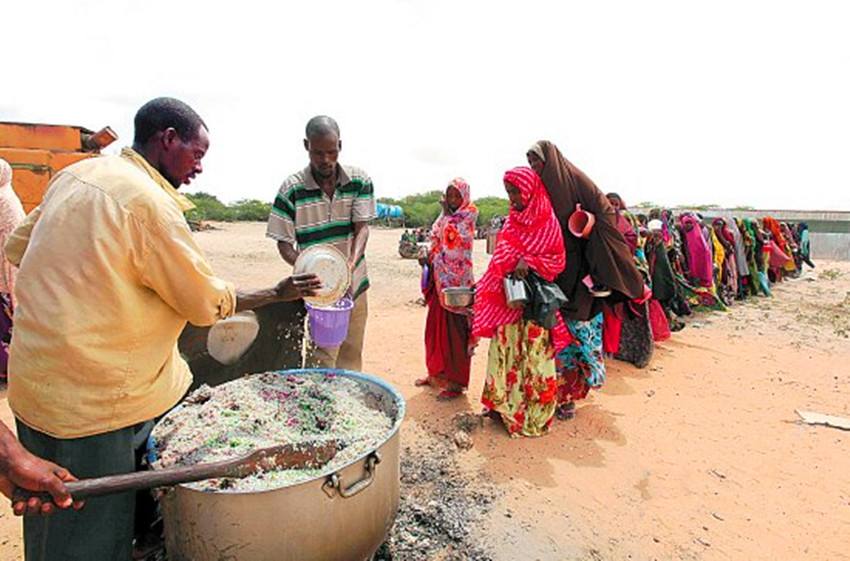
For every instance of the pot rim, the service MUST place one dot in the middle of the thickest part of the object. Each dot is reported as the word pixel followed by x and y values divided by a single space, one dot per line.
pixel 459 290
pixel 399 400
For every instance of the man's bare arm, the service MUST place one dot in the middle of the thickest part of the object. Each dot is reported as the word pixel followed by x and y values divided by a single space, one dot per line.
pixel 287 252
pixel 290 288
pixel 361 236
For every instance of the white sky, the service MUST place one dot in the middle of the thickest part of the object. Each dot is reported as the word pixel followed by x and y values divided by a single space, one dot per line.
pixel 727 102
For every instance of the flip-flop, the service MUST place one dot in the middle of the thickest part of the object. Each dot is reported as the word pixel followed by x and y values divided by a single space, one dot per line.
pixel 566 412
pixel 448 394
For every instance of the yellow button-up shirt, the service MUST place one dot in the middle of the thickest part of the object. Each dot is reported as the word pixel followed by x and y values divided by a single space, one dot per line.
pixel 109 275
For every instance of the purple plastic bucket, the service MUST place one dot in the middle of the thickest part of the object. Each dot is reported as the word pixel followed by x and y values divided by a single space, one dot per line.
pixel 329 326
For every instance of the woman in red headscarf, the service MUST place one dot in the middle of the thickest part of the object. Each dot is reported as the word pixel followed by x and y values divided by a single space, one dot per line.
pixel 521 384
pixel 447 330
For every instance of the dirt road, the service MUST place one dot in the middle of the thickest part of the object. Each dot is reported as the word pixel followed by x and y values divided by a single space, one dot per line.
pixel 698 457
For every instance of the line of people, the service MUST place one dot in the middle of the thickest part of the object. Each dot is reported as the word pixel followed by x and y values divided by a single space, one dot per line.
pixel 94 359
pixel 622 282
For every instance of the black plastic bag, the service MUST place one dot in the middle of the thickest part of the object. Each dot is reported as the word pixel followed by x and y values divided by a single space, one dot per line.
pixel 544 300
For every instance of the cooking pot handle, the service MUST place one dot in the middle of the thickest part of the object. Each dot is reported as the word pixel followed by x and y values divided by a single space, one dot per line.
pixel 334 483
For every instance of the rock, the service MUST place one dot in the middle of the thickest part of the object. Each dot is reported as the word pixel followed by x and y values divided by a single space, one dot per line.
pixel 463 440
pixel 467 421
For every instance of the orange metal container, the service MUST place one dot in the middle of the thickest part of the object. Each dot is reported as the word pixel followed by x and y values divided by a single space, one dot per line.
pixel 38 152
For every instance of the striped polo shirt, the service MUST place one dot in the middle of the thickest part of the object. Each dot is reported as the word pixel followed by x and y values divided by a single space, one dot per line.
pixel 303 215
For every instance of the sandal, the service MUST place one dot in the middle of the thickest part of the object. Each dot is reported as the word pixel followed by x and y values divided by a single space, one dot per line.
pixel 448 394
pixel 492 414
pixel 419 382
pixel 566 411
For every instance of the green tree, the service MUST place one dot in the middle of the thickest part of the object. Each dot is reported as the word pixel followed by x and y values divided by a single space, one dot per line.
pixel 251 210
pixel 488 207
pixel 422 209
pixel 208 207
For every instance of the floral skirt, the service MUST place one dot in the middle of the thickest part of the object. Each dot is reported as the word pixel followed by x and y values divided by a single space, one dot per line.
pixel 521 383
pixel 701 297
pixel 581 365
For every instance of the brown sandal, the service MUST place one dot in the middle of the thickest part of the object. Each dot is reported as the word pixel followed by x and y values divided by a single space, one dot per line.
pixel 422 382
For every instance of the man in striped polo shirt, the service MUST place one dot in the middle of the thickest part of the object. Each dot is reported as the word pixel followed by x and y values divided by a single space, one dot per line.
pixel 328 203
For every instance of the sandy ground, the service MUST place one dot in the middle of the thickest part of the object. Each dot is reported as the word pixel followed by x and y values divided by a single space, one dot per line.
pixel 699 456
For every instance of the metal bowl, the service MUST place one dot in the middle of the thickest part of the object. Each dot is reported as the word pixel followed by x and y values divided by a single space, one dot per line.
pixel 458 297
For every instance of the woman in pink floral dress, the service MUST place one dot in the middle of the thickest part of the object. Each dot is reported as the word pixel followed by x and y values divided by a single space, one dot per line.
pixel 447 329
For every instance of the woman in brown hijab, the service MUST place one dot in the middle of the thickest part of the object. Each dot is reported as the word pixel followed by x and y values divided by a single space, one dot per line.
pixel 605 255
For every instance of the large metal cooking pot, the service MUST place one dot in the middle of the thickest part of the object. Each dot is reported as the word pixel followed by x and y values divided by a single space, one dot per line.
pixel 341 515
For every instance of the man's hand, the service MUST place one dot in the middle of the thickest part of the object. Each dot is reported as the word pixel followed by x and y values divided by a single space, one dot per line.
pixel 298 286
pixel 31 473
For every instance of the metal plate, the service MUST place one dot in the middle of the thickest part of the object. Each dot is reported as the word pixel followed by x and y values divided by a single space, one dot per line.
pixel 330 265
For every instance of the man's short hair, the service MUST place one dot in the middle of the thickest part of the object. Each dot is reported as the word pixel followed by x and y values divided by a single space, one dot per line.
pixel 321 125
pixel 163 113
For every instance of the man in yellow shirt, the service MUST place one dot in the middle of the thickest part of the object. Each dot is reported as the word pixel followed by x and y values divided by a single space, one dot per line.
pixel 109 274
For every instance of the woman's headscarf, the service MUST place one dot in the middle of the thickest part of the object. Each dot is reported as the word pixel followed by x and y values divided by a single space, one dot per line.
pixel 532 234
pixel 725 236
pixel 789 235
pixel 700 263
pixel 667 219
pixel 805 240
pixel 5 173
pixel 755 231
pixel 537 149
pixel 567 185
pixel 617 196
pixel 740 248
pixel 11 214
pixel 781 242
pixel 772 225
pixel 452 238
pixel 626 223
pixel 605 255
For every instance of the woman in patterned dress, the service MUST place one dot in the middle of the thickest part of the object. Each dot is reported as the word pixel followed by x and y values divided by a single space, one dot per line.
pixel 521 384
pixel 448 345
